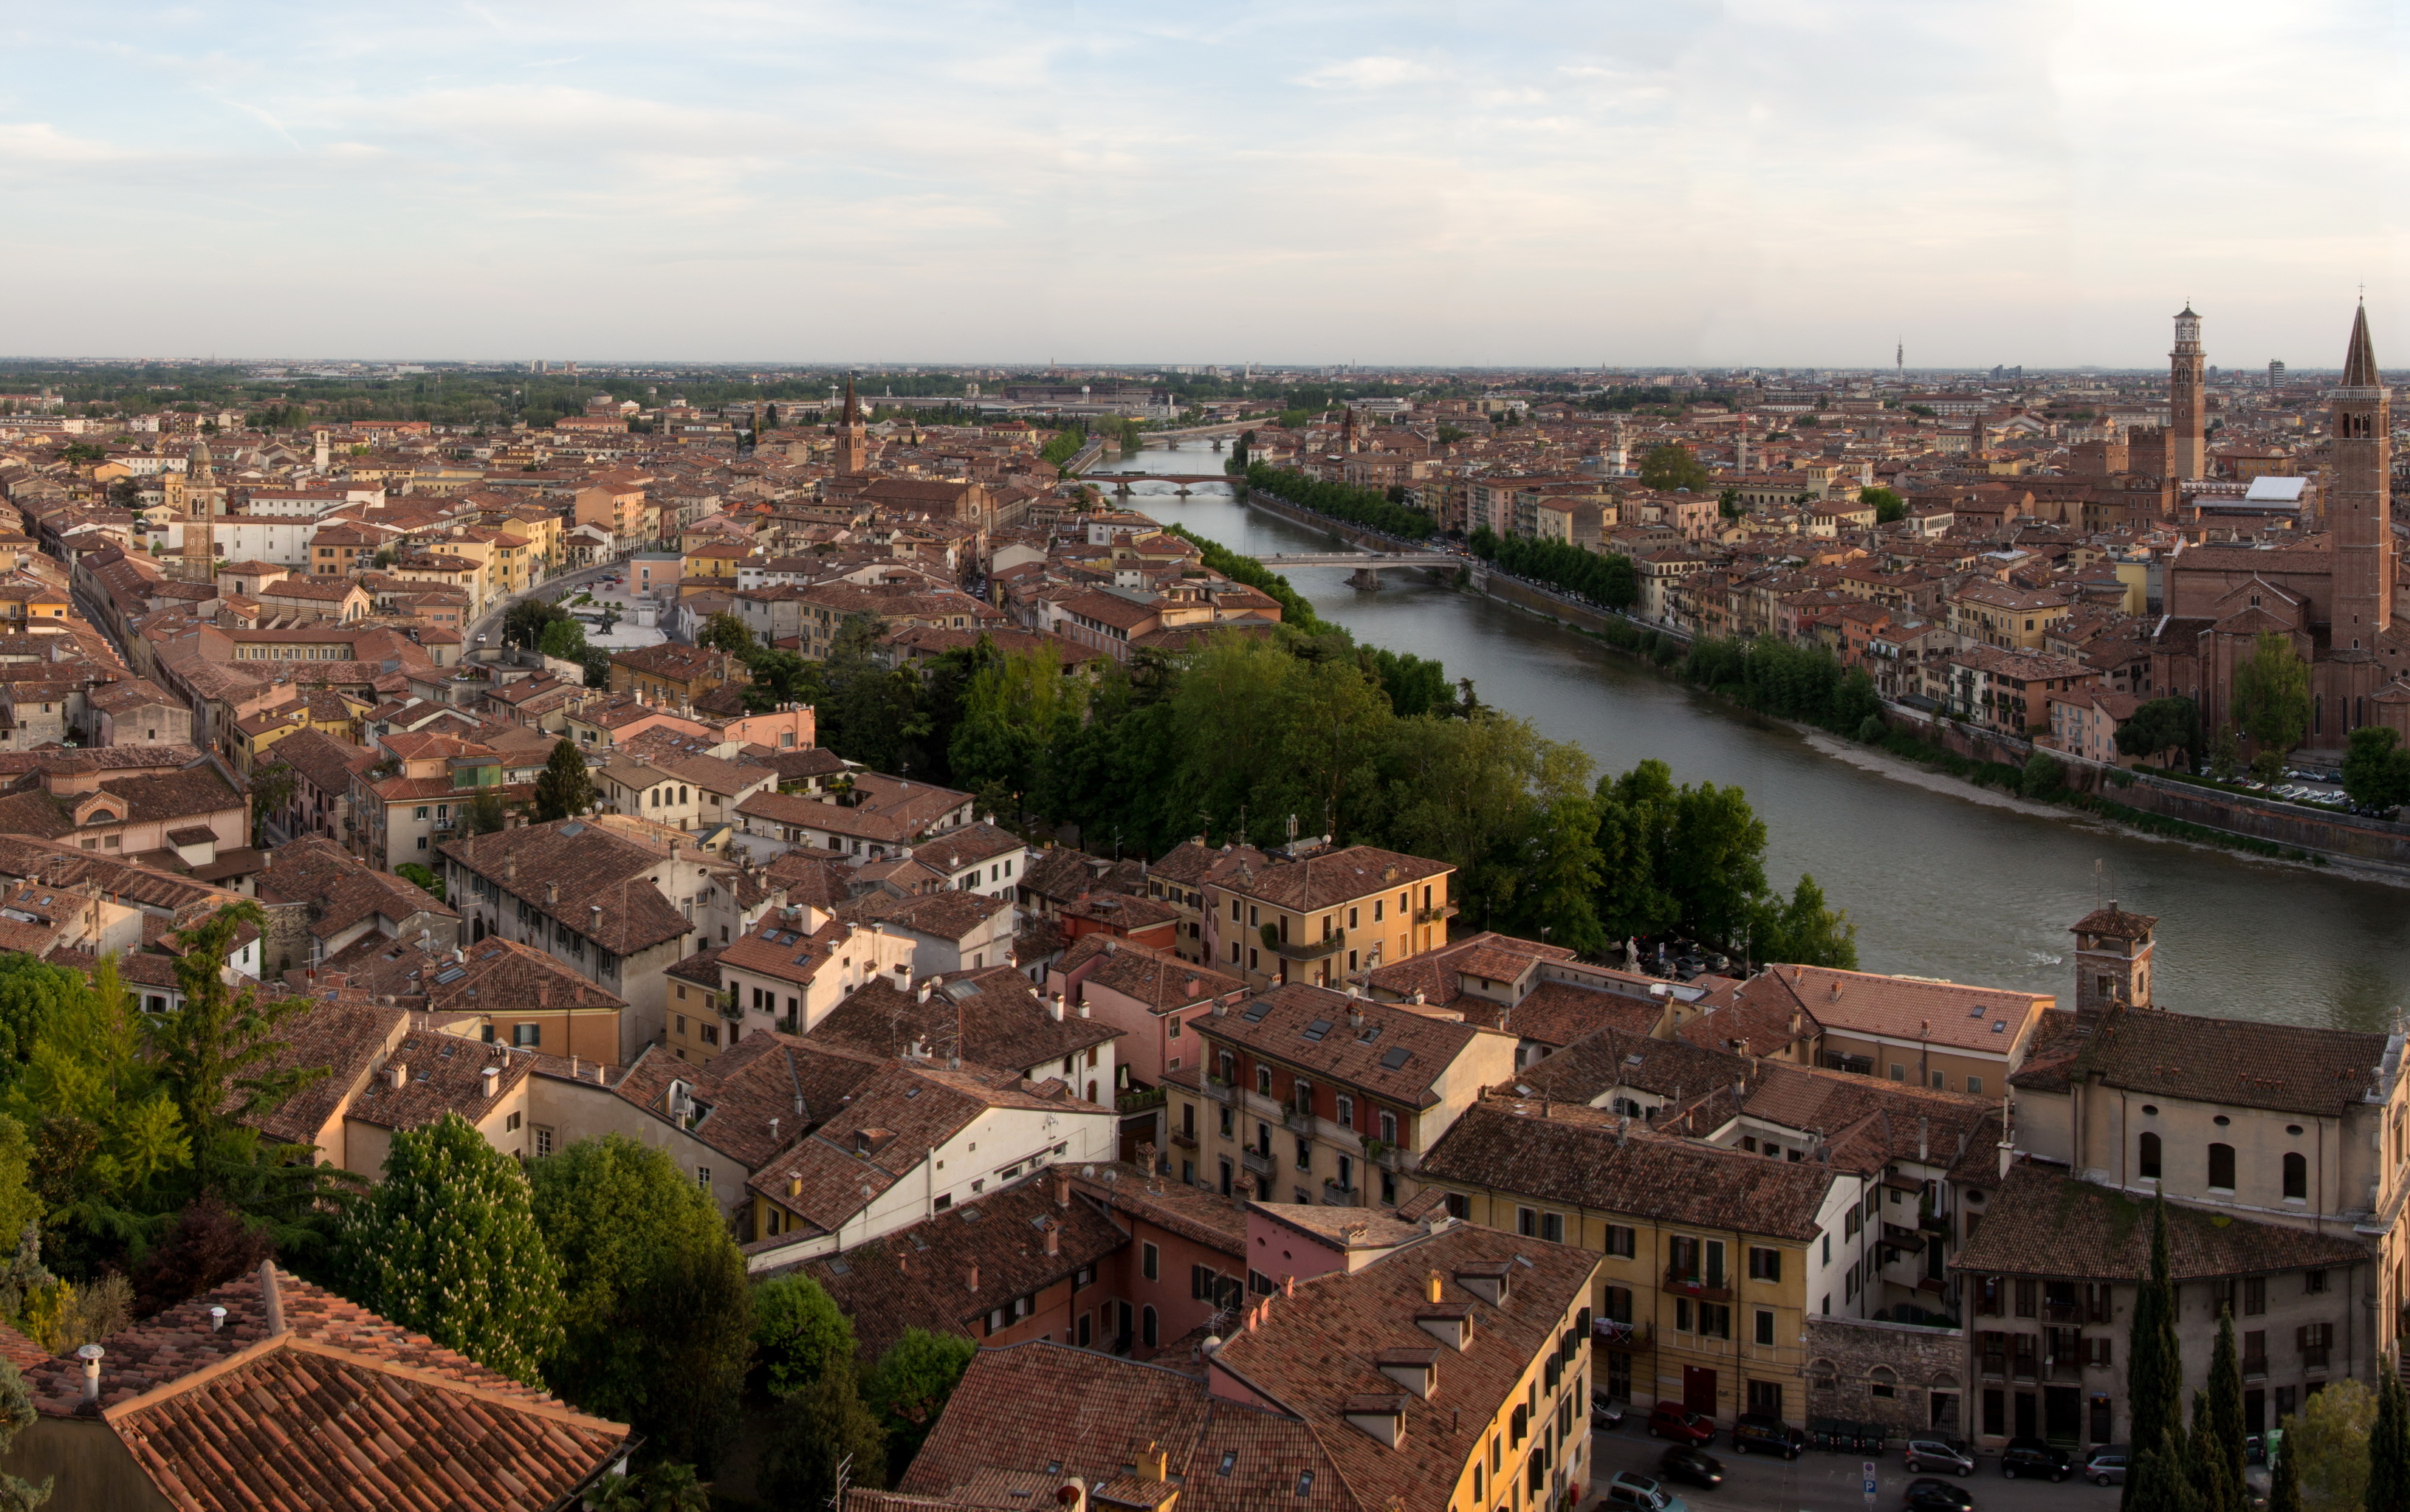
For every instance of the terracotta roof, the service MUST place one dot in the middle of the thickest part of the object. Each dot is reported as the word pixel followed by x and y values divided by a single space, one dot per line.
pixel 1396 1052
pixel 1589 1068
pixel 1560 1012
pixel 2043 1223
pixel 1581 1156
pixel 1156 979
pixel 2114 923
pixel 1003 1021
pixel 441 1073
pixel 1332 877
pixel 595 866
pixel 1095 1416
pixel 259 1415
pixel 1985 1019
pixel 954 913
pixel 2286 1067
pixel 923 1276
pixel 340 889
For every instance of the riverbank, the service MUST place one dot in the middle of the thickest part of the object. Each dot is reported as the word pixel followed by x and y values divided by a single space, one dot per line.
pixel 1939 884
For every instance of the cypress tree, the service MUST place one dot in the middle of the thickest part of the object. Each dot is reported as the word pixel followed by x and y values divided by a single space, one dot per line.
pixel 2155 1375
pixel 2226 1404
pixel 447 1244
pixel 2388 1447
pixel 562 789
pixel 2284 1479
pixel 2206 1463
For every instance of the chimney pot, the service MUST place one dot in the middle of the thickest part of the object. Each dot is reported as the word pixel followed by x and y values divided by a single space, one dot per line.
pixel 491 1077
pixel 90 1354
pixel 217 1318
pixel 397 1073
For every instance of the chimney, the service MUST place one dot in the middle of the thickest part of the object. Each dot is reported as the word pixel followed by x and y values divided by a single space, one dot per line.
pixel 217 1319
pixel 1054 1007
pixel 90 1354
pixel 973 1277
pixel 490 1079
pixel 551 893
pixel 594 919
pixel 269 1293
pixel 397 1073
pixel 511 869
pixel 1923 1135
pixel 1062 1188
pixel 795 1187
pixel 1431 1287
pixel 1053 1236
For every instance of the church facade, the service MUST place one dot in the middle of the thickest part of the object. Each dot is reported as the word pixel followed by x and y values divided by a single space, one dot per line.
pixel 2332 594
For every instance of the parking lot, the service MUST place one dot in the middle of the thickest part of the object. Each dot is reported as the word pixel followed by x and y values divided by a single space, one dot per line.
pixel 1818 1482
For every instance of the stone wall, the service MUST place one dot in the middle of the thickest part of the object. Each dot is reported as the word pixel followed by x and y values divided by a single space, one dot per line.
pixel 1852 1362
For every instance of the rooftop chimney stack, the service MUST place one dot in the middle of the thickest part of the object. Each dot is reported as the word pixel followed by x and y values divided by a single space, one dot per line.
pixel 217 1319
pixel 90 1354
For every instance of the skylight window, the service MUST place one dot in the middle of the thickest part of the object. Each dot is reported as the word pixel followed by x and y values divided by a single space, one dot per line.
pixel 1315 1031
pixel 1255 1011
pixel 1396 1059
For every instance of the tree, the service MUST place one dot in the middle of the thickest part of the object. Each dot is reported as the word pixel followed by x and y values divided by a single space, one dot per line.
pixel 2225 753
pixel 564 638
pixel 1672 466
pixel 2284 1475
pixel 447 1244
pixel 2272 701
pixel 724 632
pixel 2329 1447
pixel 667 1487
pixel 2376 768
pixel 2388 1445
pixel 562 789
pixel 32 994
pixel 271 788
pixel 419 877
pixel 2160 727
pixel 483 814
pixel 823 1429
pixel 1803 931
pixel 524 622
pixel 1889 505
pixel 2213 1486
pixel 210 1244
pixel 2154 1371
pixel 909 1387
pixel 2225 1405
pixel 657 1322
pixel 16 1416
pixel 2045 775
pixel 799 1334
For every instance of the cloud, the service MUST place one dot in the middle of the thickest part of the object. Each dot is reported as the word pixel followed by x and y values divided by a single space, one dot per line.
pixel 1376 72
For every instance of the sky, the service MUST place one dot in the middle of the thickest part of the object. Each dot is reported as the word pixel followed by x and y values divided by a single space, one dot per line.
pixel 1777 182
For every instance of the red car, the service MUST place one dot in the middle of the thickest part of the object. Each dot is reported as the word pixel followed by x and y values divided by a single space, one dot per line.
pixel 1671 1419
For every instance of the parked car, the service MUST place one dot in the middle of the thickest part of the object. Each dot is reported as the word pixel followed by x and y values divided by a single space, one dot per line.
pixel 1604 1411
pixel 2032 1457
pixel 1757 1433
pixel 2106 1464
pixel 1932 1494
pixel 1642 1493
pixel 1938 1454
pixel 1687 1462
pixel 1671 1419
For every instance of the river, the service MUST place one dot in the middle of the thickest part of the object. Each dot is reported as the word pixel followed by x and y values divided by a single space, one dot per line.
pixel 1938 884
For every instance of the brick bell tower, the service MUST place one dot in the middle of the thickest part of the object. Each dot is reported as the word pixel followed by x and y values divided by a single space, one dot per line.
pixel 852 437
pixel 2112 959
pixel 2360 513
pixel 2187 401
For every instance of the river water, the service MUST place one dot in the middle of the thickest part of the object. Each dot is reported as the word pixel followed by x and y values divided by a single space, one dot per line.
pixel 1938 884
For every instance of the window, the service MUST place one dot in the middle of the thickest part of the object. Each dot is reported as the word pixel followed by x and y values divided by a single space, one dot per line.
pixel 526 1035
pixel 1151 1262
pixel 2314 1282
pixel 1975 1085
pixel 703 1177
pixel 1552 1228
pixel 1622 1240
pixel 2221 1167
pixel 1898 1072
pixel 1147 1329
pixel 1527 1222
pixel 2029 1295
pixel 1389 1126
pixel 1346 1109
pixel 1765 1327
pixel 1264 1080
pixel 511 1124
pixel 2297 1177
pixel 542 1140
pixel 1715 1320
pixel 2146 1161
pixel 2255 1296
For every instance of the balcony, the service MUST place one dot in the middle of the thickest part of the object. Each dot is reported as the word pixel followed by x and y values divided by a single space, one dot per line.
pixel 1710 1289
pixel 1217 1089
pixel 1304 950
pixel 1435 915
pixel 2255 1367
pixel 1619 1335
pixel 1336 1196
pixel 1390 1158
pixel 1298 1122
pixel 1258 1162
pixel 2062 1312
pixel 2315 1357
pixel 1186 1141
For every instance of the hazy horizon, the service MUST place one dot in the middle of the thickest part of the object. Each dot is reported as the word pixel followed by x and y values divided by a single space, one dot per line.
pixel 1514 185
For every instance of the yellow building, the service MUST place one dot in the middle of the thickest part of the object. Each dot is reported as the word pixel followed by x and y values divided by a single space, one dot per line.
pixel 1322 916
pixel 1708 1256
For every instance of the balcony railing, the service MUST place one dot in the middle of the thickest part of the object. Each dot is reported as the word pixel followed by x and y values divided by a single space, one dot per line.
pixel 1434 915
pixel 2255 1367
pixel 1217 1089
pixel 1298 1122
pixel 2315 1357
pixel 1186 1141
pixel 1256 1161
pixel 1304 950
pixel 1615 1335
pixel 1334 1195
pixel 2062 1312
pixel 1712 1288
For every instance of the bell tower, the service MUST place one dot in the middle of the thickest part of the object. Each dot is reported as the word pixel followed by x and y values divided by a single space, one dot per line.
pixel 2112 959
pixel 2361 511
pixel 2187 449
pixel 852 437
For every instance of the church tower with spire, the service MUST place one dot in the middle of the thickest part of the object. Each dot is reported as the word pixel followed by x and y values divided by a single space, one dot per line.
pixel 2360 513
pixel 199 556
pixel 852 437
pixel 2187 446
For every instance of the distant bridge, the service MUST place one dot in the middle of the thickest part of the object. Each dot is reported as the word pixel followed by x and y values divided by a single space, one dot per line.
pixel 1368 565
pixel 1121 480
